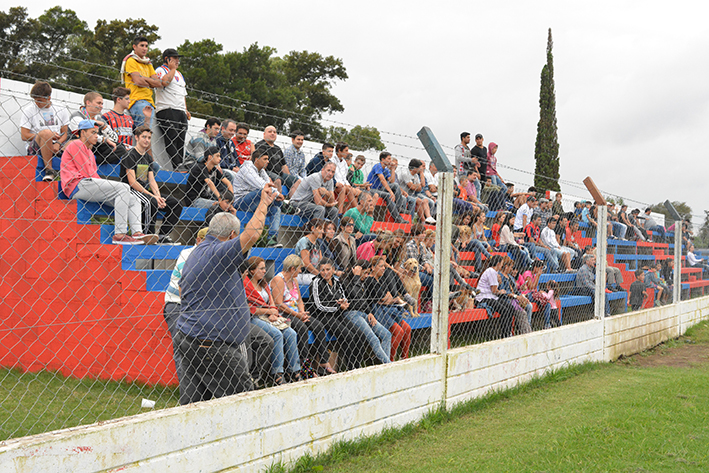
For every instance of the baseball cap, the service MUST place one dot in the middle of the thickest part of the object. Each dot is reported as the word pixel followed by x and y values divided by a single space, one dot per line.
pixel 478 136
pixel 171 52
pixel 86 125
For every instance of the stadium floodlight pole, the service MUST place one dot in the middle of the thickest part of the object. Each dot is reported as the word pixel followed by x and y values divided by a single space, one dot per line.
pixel 601 249
pixel 677 276
pixel 442 259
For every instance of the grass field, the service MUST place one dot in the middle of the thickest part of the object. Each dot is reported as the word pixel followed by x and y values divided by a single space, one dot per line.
pixel 647 413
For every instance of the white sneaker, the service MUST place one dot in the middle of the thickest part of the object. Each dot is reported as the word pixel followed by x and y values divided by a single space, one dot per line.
pixel 430 221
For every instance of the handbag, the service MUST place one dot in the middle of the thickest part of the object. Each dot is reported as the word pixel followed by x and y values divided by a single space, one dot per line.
pixel 281 323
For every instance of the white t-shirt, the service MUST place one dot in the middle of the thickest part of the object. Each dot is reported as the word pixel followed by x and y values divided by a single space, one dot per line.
pixel 485 283
pixel 406 177
pixel 341 170
pixel 36 119
pixel 523 210
pixel 172 96
pixel 548 237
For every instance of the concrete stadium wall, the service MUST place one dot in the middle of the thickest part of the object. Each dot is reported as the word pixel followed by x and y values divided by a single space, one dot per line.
pixel 637 331
pixel 475 371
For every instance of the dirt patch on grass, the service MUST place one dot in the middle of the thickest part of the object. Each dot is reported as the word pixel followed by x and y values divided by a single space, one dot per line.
pixel 682 353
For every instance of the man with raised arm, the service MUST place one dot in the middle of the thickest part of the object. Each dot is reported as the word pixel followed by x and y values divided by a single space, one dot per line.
pixel 214 321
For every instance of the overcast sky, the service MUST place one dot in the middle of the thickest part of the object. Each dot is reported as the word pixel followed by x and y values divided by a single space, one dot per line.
pixel 631 77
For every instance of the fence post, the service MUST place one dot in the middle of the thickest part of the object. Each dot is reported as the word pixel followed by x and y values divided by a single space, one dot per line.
pixel 601 263
pixel 442 264
pixel 677 277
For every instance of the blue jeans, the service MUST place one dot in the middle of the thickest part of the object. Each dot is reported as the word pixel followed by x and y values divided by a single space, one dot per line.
pixel 550 258
pixel 378 337
pixel 659 230
pixel 427 282
pixel 285 345
pixel 619 229
pixel 388 315
pixel 310 210
pixel 249 203
pixel 136 111
pixel 477 247
pixel 201 203
pixel 498 182
pixel 520 255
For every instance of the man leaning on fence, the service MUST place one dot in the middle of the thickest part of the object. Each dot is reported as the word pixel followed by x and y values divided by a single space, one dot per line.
pixel 214 317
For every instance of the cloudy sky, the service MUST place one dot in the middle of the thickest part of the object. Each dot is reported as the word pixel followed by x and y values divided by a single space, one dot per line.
pixel 631 77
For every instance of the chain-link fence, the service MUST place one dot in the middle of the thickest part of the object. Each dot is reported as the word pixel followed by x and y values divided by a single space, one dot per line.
pixel 116 298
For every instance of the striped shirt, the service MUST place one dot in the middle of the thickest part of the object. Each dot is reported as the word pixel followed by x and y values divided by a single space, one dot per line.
pixel 121 123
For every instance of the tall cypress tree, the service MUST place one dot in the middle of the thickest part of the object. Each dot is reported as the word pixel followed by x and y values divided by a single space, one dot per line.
pixel 546 149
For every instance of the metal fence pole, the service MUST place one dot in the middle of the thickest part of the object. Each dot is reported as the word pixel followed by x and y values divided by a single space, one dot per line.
pixel 601 261
pixel 677 278
pixel 442 264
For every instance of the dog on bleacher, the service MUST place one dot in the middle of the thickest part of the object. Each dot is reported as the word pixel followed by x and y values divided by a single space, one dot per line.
pixel 412 283
pixel 464 300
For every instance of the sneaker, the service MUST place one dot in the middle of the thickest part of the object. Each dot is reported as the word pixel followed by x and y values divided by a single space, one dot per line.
pixel 165 240
pixel 430 221
pixel 146 239
pixel 272 243
pixel 125 240
pixel 49 175
pixel 288 209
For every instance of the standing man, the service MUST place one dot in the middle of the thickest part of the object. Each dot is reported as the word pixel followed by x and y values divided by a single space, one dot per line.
pixel 136 171
pixel 141 79
pixel 214 317
pixel 464 161
pixel 44 127
pixel 277 168
pixel 295 158
pixel 80 180
pixel 120 121
pixel 479 151
pixel 171 106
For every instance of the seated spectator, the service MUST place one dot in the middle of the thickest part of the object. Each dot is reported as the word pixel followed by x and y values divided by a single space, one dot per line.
pixel 412 182
pixel 578 209
pixel 227 149
pixel 343 246
pixel 650 225
pixel 472 188
pixel 637 290
pixel 548 297
pixel 355 175
pixel 287 297
pixel 654 281
pixel 468 244
pixel 309 250
pixel 431 175
pixel 461 202
pixel 277 168
pixel 522 306
pixel 361 314
pixel 479 230
pixel 315 197
pixel 361 215
pixel 44 127
pixel 206 138
pixel 375 247
pixel 408 204
pixel 464 219
pixel 107 149
pixel 532 235
pixel 346 193
pixel 204 181
pixel 547 239
pixel 244 147
pixel 329 304
pixel 497 224
pixel 458 273
pixel 117 118
pixel 80 180
pixel 137 172
pixel 634 232
pixel 382 183
pixel 588 216
pixel 415 249
pixel 294 156
pixel 634 219
pixel 557 208
pixel 325 242
pixel 509 244
pixel 615 227
pixel 491 169
pixel 266 316
pixel 248 182
pixel 223 204
pixel 490 297
pixel 585 283
pixel 528 280
pixel 388 310
pixel 324 156
pixel 544 211
pixel 524 214
pixel 696 262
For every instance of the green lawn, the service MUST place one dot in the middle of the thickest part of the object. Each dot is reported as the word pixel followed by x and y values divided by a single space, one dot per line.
pixel 634 415
pixel 33 403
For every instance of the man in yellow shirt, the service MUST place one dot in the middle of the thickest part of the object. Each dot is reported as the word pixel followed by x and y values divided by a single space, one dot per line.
pixel 141 79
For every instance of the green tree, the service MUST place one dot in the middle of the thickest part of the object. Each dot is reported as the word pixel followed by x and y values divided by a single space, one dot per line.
pixel 702 237
pixel 360 138
pixel 546 148
pixel 681 207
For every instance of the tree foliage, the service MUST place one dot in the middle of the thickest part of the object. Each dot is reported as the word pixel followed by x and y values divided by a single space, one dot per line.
pixel 254 85
pixel 702 236
pixel 361 138
pixel 681 207
pixel 546 148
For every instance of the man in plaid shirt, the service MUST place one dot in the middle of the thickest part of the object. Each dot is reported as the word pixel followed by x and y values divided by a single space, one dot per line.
pixel 295 158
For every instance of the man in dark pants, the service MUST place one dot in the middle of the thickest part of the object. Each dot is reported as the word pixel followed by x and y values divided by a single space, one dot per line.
pixel 214 323
pixel 171 107
pixel 479 151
